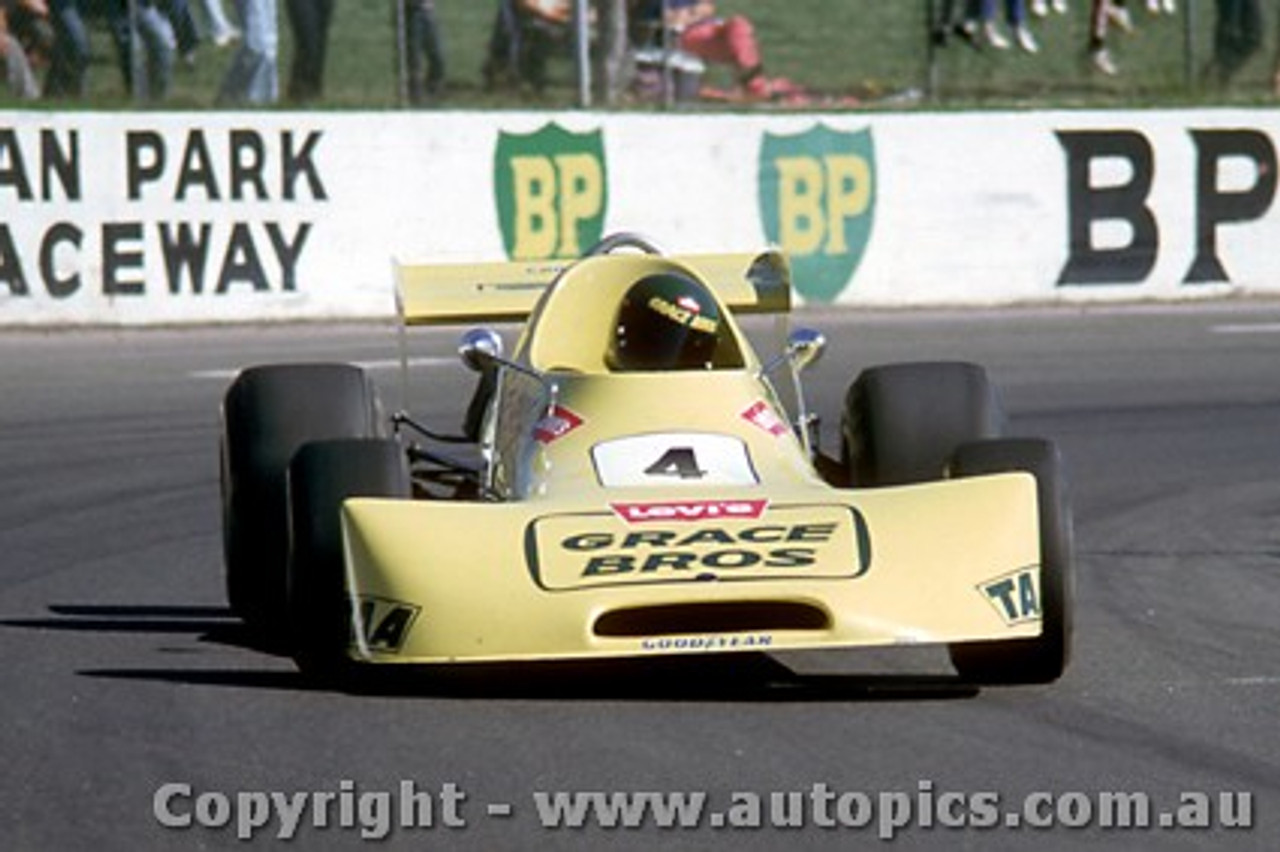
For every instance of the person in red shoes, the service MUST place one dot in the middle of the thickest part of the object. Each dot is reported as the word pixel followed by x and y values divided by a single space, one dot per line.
pixel 716 39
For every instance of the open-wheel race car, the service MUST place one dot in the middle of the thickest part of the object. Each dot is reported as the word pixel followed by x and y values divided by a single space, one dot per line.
pixel 636 487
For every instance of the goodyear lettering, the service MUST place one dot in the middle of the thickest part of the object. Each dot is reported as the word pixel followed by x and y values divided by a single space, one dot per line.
pixel 707 643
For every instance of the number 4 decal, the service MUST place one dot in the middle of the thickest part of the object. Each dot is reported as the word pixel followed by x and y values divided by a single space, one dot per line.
pixel 673 460
pixel 677 461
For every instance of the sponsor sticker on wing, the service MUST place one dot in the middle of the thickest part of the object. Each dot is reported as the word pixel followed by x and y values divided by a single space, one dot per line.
pixel 632 545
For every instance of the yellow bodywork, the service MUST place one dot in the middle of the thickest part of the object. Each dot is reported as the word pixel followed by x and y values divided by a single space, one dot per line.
pixel 659 513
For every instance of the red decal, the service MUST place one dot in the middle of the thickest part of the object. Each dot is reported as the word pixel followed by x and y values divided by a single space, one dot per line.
pixel 762 416
pixel 557 423
pixel 689 510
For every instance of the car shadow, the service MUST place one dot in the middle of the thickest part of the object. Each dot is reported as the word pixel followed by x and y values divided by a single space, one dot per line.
pixel 707 677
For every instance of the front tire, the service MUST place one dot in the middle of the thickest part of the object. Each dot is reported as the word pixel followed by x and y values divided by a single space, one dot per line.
pixel 267 414
pixel 1044 658
pixel 322 476
pixel 903 422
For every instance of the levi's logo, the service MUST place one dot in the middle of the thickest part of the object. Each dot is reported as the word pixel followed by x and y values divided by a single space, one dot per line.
pixel 689 510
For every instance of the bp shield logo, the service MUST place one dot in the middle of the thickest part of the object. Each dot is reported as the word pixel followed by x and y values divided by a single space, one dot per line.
pixel 551 192
pixel 817 200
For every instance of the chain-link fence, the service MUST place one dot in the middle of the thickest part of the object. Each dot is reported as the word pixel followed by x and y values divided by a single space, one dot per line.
pixel 846 54
pixel 1061 52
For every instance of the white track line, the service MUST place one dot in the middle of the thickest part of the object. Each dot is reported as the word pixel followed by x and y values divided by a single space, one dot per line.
pixel 1247 328
pixel 385 364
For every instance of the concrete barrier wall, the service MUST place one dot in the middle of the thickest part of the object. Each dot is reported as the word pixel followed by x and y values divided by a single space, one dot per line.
pixel 199 217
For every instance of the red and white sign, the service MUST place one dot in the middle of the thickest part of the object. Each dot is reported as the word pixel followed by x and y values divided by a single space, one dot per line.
pixel 690 510
pixel 762 416
pixel 557 423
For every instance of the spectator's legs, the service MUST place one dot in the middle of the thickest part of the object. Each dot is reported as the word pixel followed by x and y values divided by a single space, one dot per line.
pixel 157 36
pixel 425 49
pixel 252 76
pixel 1237 37
pixel 70 60
pixel 310 20
pixel 184 27
pixel 731 41
pixel 221 31
pixel 1099 19
pixel 18 74
pixel 504 46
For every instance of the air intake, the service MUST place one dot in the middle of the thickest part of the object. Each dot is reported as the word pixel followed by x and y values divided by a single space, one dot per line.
pixel 684 619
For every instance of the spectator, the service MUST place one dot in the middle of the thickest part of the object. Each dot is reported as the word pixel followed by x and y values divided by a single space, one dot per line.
pixel 1237 37
pixel 1275 66
pixel 717 40
pixel 1102 15
pixel 69 58
pixel 1040 8
pixel 525 34
pixel 1015 15
pixel 310 21
pixel 220 29
pixel 979 25
pixel 145 47
pixel 252 77
pixel 19 77
pixel 185 33
pixel 425 51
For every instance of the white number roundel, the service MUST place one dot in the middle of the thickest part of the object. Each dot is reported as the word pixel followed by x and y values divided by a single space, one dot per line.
pixel 673 459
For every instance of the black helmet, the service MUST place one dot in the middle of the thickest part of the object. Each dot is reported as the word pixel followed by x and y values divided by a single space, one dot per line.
pixel 666 321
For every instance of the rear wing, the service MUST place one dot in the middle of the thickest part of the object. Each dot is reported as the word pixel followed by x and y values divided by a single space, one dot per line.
pixel 445 294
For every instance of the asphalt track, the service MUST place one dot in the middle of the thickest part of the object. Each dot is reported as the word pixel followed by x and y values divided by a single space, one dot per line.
pixel 123 671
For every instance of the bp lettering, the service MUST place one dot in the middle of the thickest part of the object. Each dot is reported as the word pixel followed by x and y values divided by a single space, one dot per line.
pixel 554 196
pixel 551 189
pixel 1124 203
pixel 816 196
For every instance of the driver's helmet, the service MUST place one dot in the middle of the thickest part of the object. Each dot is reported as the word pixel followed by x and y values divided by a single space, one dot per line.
pixel 666 321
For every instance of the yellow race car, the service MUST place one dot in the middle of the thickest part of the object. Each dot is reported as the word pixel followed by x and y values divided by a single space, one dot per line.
pixel 642 483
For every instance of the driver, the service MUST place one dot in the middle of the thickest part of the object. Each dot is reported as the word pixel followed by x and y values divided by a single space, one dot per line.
pixel 666 321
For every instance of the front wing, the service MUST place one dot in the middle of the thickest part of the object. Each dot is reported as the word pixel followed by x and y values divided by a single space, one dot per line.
pixel 438 582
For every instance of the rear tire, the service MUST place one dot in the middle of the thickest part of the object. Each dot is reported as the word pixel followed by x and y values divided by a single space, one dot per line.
pixel 322 475
pixel 903 422
pixel 267 414
pixel 1044 658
